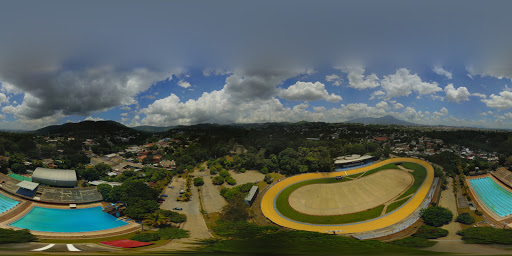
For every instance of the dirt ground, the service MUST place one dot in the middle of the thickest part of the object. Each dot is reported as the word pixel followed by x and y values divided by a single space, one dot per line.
pixel 248 176
pixel 351 196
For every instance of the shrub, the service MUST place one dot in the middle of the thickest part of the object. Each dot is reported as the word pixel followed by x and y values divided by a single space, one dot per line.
pixel 174 217
pixel 230 181
pixel 16 236
pixel 436 216
pixel 486 235
pixel 465 218
pixel 146 237
pixel 416 242
pixel 173 233
pixel 198 181
pixel 224 173
pixel 218 180
pixel 429 232
pixel 213 171
pixel 268 179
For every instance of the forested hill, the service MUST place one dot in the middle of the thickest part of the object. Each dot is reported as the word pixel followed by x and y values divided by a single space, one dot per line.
pixel 86 128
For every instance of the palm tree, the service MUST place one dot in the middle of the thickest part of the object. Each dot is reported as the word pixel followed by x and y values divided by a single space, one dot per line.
pixel 155 219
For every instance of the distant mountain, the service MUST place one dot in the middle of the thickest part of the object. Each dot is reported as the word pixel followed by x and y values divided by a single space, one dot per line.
pixel 385 120
pixel 86 128
pixel 149 128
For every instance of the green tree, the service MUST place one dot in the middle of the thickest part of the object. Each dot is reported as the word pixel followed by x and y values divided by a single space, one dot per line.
pixel 198 181
pixel 18 168
pixel 155 219
pixel 465 218
pixel 218 180
pixel 105 190
pixel 436 216
pixel 268 178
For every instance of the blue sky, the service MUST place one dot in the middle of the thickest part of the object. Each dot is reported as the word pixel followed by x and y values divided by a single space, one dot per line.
pixel 180 63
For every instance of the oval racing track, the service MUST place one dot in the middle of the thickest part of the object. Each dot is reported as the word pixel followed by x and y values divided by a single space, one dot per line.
pixel 270 211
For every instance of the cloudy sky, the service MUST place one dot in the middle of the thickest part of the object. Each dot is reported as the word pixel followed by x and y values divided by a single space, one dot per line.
pixel 167 63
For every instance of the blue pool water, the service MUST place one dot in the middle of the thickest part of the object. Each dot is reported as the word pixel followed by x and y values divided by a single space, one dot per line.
pixel 495 197
pixel 6 203
pixel 68 220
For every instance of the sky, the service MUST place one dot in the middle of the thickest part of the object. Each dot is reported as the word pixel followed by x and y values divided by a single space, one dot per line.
pixel 167 63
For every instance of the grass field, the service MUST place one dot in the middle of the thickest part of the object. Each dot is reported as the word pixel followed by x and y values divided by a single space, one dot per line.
pixel 419 173
pixel 395 205
pixel 283 205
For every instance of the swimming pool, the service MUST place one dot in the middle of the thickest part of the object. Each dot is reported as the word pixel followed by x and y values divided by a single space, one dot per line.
pixel 495 197
pixel 6 203
pixel 68 220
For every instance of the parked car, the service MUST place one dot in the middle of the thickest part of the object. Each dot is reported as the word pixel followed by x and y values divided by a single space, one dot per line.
pixel 170 187
pixel 164 195
pixel 177 208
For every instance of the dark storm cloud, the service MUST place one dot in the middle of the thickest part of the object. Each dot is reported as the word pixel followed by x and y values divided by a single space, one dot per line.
pixel 57 51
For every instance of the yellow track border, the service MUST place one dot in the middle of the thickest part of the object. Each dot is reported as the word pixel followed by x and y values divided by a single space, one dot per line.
pixel 269 210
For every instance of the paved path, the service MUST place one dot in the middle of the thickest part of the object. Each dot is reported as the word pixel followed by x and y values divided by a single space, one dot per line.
pixel 270 212
pixel 195 222
pixel 449 201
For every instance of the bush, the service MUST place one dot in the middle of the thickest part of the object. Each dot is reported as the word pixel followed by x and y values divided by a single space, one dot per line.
pixel 173 233
pixel 218 180
pixel 16 236
pixel 416 242
pixel 174 217
pixel 486 235
pixel 465 218
pixel 230 181
pixel 436 216
pixel 429 232
pixel 146 237
pixel 198 181
pixel 268 179
pixel 224 173
pixel 213 171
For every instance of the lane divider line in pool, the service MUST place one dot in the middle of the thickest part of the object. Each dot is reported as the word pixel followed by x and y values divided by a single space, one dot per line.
pixel 43 248
pixel 72 248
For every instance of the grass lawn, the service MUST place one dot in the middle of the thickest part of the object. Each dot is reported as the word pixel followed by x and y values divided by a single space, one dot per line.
pixel 395 205
pixel 472 213
pixel 419 173
pixel 283 206
pixel 98 240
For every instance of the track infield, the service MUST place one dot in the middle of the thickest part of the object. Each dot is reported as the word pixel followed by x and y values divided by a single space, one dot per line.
pixel 269 209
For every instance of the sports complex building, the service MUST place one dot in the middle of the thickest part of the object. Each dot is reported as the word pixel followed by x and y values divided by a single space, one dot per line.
pixel 371 201
pixel 51 206
pixel 348 162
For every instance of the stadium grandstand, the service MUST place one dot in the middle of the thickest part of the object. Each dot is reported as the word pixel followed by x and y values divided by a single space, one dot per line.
pixel 351 161
pixel 504 176
pixel 55 177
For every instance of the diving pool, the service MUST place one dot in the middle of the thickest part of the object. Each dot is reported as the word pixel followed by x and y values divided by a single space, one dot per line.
pixel 494 196
pixel 68 220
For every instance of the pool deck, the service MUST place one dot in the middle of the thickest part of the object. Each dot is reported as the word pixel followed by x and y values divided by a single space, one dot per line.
pixel 490 213
pixel 4 222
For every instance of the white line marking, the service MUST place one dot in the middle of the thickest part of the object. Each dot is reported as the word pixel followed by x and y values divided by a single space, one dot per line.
pixel 43 248
pixel 72 248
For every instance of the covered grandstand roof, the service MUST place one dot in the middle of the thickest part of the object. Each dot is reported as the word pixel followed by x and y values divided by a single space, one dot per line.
pixel 55 177
pixel 351 158
pixel 28 185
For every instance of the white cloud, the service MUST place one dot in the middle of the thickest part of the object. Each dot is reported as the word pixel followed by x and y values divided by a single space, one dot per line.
pixel 9 109
pixel 456 95
pixel 90 118
pixel 501 101
pixel 442 112
pixel 403 83
pixel 382 104
pixel 441 71
pixel 2 117
pixel 508 115
pixel 483 114
pixel 307 91
pixel 126 108
pixel 357 80
pixel 3 98
pixel 124 114
pixel 398 106
pixel 377 94
pixel 184 84
pixel 335 79
pixel 481 95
